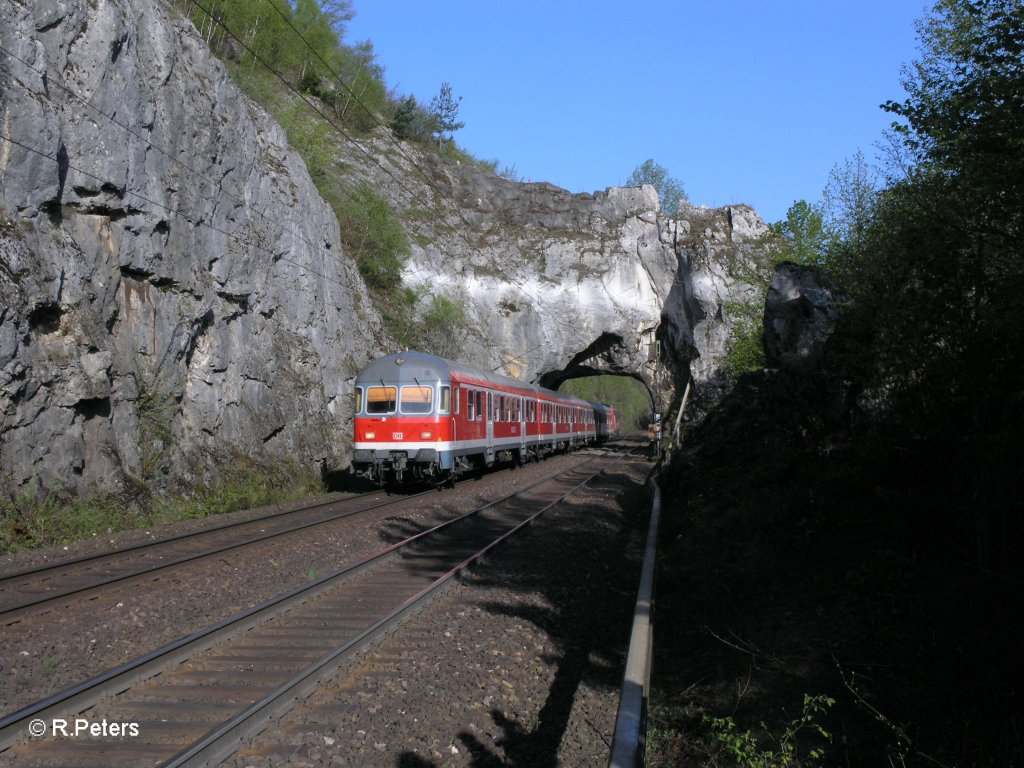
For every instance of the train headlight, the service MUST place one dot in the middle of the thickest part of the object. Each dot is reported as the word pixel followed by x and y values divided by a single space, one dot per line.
pixel 371 435
pixel 426 434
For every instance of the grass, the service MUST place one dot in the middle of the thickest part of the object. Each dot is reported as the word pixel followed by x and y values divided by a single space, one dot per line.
pixel 27 523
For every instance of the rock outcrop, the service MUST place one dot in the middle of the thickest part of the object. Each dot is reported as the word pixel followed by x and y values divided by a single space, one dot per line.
pixel 800 312
pixel 558 285
pixel 173 290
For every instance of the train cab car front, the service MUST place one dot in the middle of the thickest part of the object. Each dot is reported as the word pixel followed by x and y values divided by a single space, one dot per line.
pixel 403 421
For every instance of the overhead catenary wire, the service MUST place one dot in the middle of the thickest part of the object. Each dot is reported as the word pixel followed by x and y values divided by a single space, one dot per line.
pixel 539 303
pixel 198 174
pixel 181 164
pixel 387 133
pixel 177 212
pixel 302 97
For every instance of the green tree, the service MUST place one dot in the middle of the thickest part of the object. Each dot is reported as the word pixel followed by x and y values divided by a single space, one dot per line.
pixel 937 273
pixel 411 122
pixel 338 13
pixel 320 39
pixel 374 237
pixel 670 189
pixel 850 197
pixel 802 234
pixel 442 329
pixel 444 109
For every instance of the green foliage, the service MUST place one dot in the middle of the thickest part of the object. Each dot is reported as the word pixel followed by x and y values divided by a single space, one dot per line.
pixel 155 409
pixel 444 109
pixel 670 189
pixel 936 275
pixel 374 236
pixel 629 397
pixel 962 114
pixel 311 138
pixel 29 523
pixel 302 43
pixel 890 478
pixel 801 234
pixel 850 198
pixel 746 347
pixel 743 748
pixel 425 322
pixel 411 122
pixel 441 329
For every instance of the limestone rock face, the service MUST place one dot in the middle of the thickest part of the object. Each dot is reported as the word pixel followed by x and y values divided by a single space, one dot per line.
pixel 174 293
pixel 558 285
pixel 800 312
pixel 172 288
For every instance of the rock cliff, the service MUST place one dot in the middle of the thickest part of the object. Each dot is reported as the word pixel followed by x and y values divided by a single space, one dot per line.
pixel 172 287
pixel 559 285
pixel 173 291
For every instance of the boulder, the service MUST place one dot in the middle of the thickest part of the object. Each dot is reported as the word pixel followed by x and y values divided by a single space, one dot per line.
pixel 800 312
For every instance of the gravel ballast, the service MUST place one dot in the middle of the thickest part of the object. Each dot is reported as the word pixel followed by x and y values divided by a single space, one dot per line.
pixel 519 664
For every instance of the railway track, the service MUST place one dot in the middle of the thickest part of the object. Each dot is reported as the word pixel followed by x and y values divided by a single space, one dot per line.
pixel 248 669
pixel 38 590
pixel 44 588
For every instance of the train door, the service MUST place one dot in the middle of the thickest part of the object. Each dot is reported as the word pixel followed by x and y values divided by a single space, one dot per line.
pixel 489 419
pixel 454 420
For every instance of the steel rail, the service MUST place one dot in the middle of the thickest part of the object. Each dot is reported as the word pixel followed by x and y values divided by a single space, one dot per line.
pixel 222 741
pixel 80 697
pixel 628 742
pixel 99 556
pixel 14 613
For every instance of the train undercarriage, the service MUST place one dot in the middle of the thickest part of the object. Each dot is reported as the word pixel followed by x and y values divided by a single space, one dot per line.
pixel 397 467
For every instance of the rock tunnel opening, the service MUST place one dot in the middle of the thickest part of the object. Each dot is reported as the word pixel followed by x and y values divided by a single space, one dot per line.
pixel 611 371
pixel 629 396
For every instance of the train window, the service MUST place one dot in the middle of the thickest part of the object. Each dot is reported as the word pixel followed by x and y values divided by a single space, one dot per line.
pixel 471 406
pixel 444 400
pixel 500 410
pixel 416 398
pixel 359 400
pixel 381 399
pixel 479 403
pixel 490 413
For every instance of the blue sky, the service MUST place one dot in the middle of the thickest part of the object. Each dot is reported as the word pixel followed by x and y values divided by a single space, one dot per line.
pixel 744 101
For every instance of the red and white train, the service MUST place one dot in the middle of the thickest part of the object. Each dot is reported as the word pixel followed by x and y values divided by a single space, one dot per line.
pixel 422 416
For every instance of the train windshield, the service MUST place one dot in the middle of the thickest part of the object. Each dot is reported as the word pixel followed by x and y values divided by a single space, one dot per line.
pixel 417 399
pixel 381 399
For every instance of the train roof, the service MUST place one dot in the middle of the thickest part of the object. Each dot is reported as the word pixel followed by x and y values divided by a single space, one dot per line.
pixel 412 366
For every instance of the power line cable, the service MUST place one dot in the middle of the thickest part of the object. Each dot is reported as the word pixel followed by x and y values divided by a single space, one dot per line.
pixel 199 223
pixel 168 155
pixel 341 131
pixel 411 160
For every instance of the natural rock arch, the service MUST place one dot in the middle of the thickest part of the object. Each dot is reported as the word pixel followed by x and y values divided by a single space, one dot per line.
pixel 609 355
